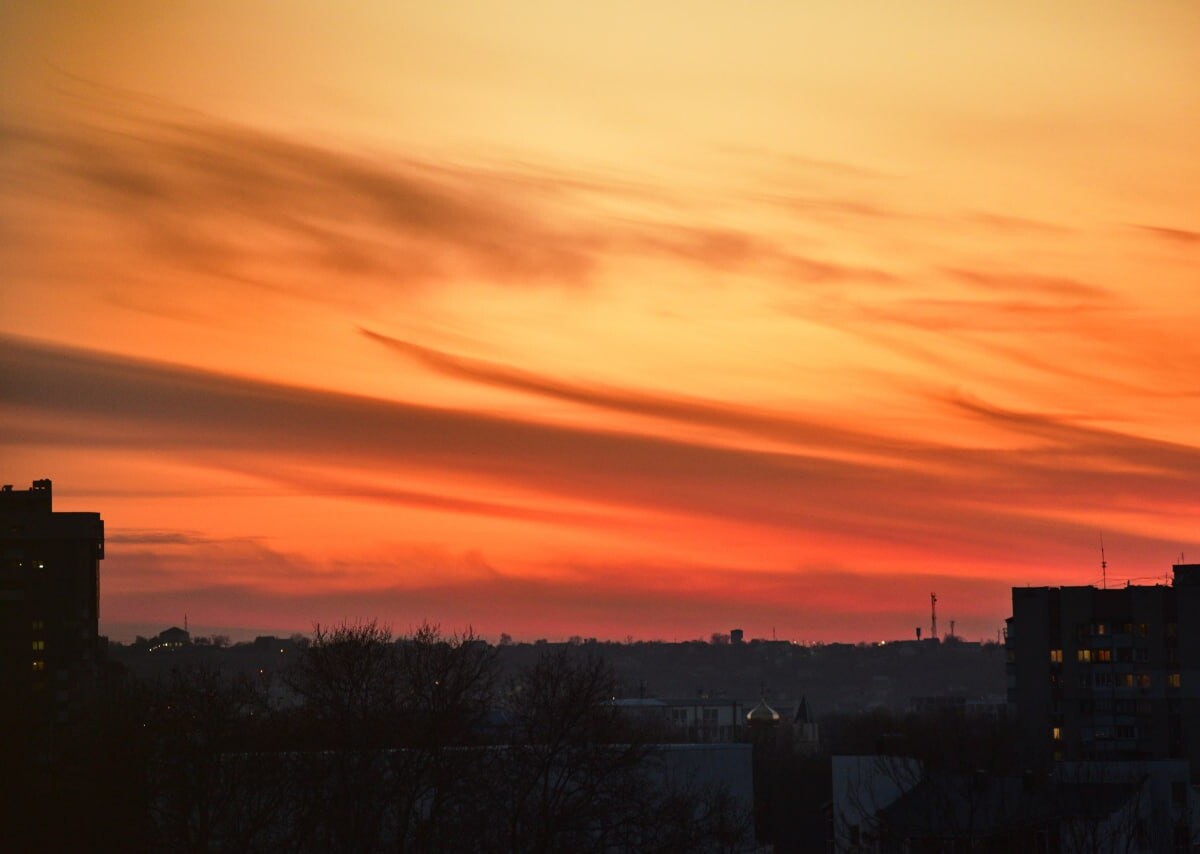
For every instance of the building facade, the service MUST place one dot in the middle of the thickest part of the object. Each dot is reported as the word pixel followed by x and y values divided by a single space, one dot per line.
pixel 700 720
pixel 1108 674
pixel 49 606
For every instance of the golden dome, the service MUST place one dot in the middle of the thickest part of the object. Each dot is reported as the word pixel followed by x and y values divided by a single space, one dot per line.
pixel 762 715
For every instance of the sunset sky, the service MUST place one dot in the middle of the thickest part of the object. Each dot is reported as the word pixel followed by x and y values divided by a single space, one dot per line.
pixel 641 318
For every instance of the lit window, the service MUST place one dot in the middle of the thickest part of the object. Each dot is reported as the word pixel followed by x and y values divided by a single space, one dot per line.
pixel 1101 628
pixel 1104 655
pixel 1127 680
pixel 1173 680
pixel 38 625
pixel 1084 655
pixel 1056 733
pixel 39 665
pixel 1056 656
pixel 1143 680
pixel 39 644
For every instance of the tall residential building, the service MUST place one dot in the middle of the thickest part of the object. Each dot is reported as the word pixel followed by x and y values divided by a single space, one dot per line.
pixel 49 606
pixel 1109 673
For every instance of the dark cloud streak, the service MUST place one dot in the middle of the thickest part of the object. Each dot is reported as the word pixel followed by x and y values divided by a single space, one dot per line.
pixel 1030 284
pixel 1181 236
pixel 988 503
pixel 190 188
pixel 706 413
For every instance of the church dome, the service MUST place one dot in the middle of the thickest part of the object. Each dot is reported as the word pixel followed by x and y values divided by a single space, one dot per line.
pixel 762 715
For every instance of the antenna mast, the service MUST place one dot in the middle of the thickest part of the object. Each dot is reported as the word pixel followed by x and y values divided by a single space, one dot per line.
pixel 933 615
pixel 1103 566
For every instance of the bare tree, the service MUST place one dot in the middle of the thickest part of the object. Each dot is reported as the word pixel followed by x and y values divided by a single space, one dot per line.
pixel 396 728
pixel 206 789
pixel 447 690
pixel 408 744
pixel 348 681
pixel 572 764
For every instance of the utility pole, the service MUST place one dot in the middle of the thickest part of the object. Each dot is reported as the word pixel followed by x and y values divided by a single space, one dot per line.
pixel 933 615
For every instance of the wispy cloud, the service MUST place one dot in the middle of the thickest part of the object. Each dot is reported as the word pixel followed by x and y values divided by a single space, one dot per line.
pixel 675 600
pixel 976 315
pixel 988 503
pixel 137 536
pixel 1030 284
pixel 186 187
pixel 1182 236
pixel 693 411
pixel 205 196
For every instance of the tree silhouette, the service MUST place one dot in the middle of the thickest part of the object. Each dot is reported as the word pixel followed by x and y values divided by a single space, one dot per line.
pixel 371 743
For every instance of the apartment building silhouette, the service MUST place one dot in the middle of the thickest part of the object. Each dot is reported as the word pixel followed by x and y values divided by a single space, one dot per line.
pixel 1109 673
pixel 49 607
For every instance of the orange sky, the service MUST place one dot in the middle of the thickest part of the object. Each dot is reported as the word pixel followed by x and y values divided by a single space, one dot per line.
pixel 638 318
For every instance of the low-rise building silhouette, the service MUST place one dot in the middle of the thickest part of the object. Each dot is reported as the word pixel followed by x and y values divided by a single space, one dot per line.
pixel 170 640
pixel 892 803
pixel 49 606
